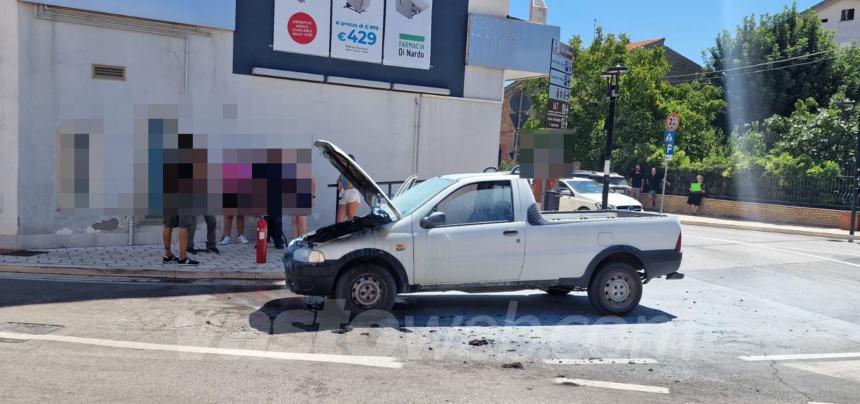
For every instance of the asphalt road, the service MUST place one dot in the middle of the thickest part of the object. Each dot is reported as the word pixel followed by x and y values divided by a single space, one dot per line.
pixel 731 332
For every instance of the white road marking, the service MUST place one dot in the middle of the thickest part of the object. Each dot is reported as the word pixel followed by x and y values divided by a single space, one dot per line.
pixel 759 358
pixel 848 370
pixel 611 385
pixel 600 361
pixel 373 361
pixel 765 247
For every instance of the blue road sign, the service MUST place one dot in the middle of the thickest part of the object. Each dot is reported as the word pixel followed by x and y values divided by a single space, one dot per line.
pixel 669 136
pixel 669 143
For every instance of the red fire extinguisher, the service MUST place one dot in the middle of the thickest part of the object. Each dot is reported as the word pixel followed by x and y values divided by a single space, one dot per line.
pixel 262 235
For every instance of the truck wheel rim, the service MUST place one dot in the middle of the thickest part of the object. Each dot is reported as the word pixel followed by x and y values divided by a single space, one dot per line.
pixel 617 288
pixel 366 291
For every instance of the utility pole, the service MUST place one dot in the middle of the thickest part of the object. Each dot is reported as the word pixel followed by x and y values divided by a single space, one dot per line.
pixel 856 178
pixel 854 185
pixel 516 156
pixel 613 76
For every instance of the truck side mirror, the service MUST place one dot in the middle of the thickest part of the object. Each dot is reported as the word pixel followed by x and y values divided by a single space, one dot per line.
pixel 435 219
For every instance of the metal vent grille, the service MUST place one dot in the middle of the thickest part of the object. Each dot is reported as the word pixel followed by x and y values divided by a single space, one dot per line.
pixel 105 72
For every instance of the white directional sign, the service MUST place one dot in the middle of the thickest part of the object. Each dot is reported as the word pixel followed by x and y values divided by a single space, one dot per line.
pixel 559 79
pixel 561 64
pixel 559 93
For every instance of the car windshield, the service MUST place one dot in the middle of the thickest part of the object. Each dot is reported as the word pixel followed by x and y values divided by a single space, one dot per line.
pixel 617 181
pixel 413 198
pixel 585 187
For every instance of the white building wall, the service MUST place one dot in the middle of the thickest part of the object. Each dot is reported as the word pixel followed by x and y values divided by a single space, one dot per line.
pixel 847 32
pixel 382 128
pixel 9 67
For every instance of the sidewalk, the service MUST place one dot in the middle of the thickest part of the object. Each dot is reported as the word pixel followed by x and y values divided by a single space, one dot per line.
pixel 760 226
pixel 237 261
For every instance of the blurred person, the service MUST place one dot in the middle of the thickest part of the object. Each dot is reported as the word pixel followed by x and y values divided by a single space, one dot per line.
pixel 697 192
pixel 211 223
pixel 240 228
pixel 300 223
pixel 636 181
pixel 652 185
pixel 184 223
pixel 348 200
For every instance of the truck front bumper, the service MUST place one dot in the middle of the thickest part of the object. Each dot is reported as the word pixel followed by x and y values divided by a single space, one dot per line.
pixel 309 279
pixel 662 263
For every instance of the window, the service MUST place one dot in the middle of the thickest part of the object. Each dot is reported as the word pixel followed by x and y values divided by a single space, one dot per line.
pixel 825 20
pixel 848 15
pixel 483 202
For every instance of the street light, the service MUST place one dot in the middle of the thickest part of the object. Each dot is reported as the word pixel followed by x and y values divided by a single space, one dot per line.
pixel 613 78
pixel 853 225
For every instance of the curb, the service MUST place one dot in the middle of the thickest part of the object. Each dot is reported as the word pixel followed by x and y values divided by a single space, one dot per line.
pixel 799 232
pixel 145 273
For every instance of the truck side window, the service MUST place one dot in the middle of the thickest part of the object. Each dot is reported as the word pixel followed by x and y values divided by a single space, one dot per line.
pixel 483 202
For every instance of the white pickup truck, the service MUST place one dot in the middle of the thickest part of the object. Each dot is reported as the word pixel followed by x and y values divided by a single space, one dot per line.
pixel 478 233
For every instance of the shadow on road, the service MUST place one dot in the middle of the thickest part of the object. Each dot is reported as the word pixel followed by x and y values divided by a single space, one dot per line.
pixel 24 292
pixel 292 315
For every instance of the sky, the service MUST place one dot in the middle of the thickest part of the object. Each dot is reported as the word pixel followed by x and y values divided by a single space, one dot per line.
pixel 689 26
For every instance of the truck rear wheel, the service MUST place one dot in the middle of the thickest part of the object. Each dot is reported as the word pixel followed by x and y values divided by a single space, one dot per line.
pixel 615 289
pixel 366 287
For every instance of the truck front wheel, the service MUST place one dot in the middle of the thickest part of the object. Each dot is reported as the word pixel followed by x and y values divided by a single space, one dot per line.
pixel 615 289
pixel 366 287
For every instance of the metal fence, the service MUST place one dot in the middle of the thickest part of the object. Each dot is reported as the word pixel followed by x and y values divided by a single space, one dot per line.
pixel 754 186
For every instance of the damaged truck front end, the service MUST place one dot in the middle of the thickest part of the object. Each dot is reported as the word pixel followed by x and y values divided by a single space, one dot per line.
pixel 312 262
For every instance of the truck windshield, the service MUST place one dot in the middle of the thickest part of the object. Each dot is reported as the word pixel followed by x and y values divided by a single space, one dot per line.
pixel 412 199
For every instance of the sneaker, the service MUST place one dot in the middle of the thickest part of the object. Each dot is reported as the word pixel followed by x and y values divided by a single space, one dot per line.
pixel 187 261
pixel 226 240
pixel 243 240
pixel 167 260
pixel 192 250
pixel 213 250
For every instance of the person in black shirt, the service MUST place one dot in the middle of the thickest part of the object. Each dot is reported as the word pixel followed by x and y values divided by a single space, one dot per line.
pixel 652 185
pixel 636 181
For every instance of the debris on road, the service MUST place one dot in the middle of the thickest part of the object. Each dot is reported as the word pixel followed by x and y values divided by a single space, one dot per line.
pixel 513 365
pixel 343 330
pixel 480 342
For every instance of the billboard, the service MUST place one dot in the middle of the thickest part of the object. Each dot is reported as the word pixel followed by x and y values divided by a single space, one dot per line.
pixel 302 26
pixel 357 30
pixel 408 28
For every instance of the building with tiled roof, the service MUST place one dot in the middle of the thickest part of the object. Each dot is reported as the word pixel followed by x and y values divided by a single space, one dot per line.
pixel 679 65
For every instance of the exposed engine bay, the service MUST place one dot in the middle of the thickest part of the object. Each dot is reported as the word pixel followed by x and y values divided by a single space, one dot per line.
pixel 355 225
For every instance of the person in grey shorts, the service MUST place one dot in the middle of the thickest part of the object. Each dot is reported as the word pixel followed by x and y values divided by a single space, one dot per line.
pixel 210 236
pixel 184 223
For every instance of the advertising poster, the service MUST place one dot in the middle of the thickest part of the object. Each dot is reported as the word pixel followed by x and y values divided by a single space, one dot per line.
pixel 302 26
pixel 357 30
pixel 408 25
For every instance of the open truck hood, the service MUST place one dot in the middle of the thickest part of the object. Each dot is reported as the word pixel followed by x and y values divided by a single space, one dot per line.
pixel 370 190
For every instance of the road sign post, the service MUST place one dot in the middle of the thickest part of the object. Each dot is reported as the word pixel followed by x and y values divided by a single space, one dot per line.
pixel 670 136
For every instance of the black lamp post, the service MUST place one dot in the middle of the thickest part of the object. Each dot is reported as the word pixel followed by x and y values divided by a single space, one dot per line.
pixel 856 178
pixel 613 77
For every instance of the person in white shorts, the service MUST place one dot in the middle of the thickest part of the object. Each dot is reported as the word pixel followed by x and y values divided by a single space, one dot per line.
pixel 348 201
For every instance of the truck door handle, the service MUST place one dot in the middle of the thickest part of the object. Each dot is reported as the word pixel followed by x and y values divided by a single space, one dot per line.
pixel 510 233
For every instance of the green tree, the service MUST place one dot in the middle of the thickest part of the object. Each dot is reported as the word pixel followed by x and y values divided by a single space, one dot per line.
pixel 757 92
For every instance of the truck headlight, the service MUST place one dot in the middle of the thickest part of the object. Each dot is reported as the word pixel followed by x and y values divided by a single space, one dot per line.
pixel 316 257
